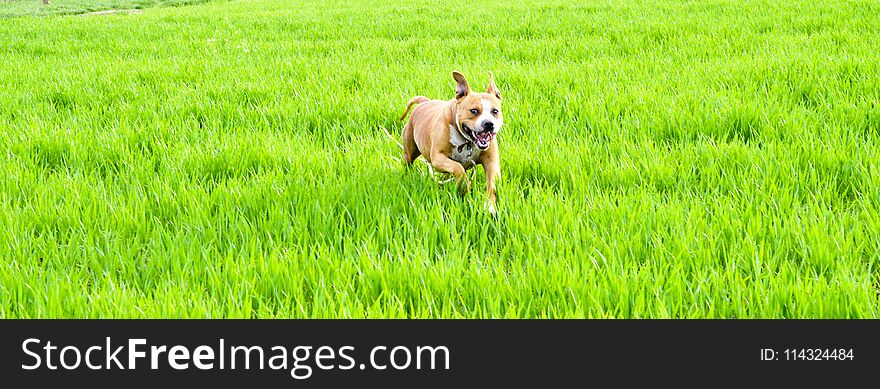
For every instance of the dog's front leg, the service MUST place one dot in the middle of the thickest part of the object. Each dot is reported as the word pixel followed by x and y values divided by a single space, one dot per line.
pixel 493 171
pixel 446 165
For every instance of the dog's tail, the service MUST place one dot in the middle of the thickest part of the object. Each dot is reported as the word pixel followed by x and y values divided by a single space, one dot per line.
pixel 413 101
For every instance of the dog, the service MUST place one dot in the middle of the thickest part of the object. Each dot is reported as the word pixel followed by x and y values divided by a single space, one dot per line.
pixel 455 135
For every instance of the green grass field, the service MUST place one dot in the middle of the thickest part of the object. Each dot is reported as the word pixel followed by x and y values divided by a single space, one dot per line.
pixel 13 8
pixel 688 159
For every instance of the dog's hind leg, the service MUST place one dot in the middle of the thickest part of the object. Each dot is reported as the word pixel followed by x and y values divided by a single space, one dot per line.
pixel 410 149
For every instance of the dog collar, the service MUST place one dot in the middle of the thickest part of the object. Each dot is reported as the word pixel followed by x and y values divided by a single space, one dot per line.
pixel 463 151
pixel 468 140
pixel 459 141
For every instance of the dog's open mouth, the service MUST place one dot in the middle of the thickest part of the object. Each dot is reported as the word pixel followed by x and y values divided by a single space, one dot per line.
pixel 482 138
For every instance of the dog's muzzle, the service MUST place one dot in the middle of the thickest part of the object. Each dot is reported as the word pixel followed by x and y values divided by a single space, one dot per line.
pixel 483 138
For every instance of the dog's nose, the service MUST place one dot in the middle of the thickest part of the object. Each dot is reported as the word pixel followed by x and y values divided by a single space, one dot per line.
pixel 488 126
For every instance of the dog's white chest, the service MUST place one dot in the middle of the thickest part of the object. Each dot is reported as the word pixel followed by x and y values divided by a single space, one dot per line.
pixel 463 151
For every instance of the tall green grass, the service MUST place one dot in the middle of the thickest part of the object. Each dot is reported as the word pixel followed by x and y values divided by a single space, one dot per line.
pixel 15 8
pixel 659 159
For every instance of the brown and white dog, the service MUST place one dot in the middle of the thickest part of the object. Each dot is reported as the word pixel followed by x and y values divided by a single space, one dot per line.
pixel 455 135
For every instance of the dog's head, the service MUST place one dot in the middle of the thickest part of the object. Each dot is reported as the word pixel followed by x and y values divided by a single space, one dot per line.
pixel 478 114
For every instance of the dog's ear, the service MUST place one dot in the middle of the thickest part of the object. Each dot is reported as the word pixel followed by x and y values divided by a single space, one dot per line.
pixel 492 89
pixel 462 88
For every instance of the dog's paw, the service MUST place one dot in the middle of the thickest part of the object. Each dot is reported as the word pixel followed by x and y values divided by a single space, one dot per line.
pixel 490 208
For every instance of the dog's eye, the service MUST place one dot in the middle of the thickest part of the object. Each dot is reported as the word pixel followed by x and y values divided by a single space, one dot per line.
pixel 494 111
pixel 475 111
